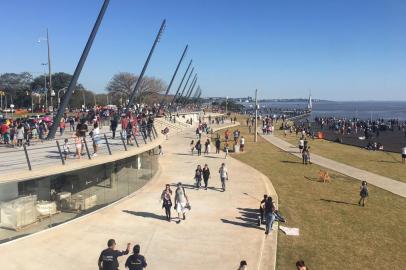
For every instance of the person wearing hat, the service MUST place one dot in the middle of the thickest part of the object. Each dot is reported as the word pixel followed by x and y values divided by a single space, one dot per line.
pixel 108 257
pixel 136 261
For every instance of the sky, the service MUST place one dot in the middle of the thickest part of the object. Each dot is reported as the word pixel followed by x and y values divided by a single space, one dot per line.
pixel 341 50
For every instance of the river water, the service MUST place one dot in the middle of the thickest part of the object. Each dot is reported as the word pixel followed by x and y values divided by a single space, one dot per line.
pixel 347 109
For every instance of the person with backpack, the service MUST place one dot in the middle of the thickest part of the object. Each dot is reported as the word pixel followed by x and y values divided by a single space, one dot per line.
pixel 136 261
pixel 108 257
pixel 223 176
pixel 181 201
pixel 363 193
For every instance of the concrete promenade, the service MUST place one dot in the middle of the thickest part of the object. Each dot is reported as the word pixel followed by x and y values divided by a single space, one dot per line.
pixel 218 232
pixel 383 182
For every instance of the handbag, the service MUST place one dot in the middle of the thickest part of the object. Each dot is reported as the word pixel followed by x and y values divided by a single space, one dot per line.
pixel 188 206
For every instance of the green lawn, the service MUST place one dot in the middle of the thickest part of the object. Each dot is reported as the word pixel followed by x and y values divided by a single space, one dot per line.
pixel 335 233
pixel 379 162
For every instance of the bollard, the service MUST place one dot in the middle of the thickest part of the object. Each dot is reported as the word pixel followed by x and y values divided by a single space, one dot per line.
pixel 107 143
pixel 122 139
pixel 26 156
pixel 136 142
pixel 60 153
pixel 87 148
pixel 143 137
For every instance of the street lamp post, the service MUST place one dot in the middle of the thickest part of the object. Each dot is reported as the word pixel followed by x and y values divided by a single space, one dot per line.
pixel 52 93
pixel 256 116
pixel 226 104
pixel 59 93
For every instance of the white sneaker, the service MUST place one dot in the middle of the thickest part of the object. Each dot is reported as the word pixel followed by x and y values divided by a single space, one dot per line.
pixel 95 155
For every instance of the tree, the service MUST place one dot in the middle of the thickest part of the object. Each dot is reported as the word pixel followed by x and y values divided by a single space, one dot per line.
pixel 16 86
pixel 122 84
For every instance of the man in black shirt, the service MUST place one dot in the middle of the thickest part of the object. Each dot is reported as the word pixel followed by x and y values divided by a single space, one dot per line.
pixel 82 128
pixel 136 261
pixel 108 257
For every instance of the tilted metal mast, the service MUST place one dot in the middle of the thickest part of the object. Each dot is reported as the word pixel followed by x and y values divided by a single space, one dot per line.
pixel 174 74
pixel 187 81
pixel 190 87
pixel 138 83
pixel 190 93
pixel 181 82
pixel 75 77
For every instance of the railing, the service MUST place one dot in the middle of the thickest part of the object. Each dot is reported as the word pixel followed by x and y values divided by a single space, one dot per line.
pixel 51 152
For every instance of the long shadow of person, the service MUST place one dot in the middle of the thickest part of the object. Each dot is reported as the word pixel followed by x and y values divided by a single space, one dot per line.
pixel 248 219
pixel 145 214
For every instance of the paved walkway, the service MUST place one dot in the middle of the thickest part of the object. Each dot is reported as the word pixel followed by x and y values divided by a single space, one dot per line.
pixel 383 182
pixel 219 231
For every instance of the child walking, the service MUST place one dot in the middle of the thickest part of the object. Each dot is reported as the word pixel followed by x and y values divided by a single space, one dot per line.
pixel 363 193
pixel 65 148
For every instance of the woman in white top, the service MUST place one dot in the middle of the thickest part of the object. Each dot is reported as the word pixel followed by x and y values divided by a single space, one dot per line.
pixel 181 201
pixel 20 135
pixel 96 137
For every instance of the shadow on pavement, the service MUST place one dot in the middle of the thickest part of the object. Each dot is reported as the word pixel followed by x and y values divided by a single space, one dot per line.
pixel 145 214
pixel 249 218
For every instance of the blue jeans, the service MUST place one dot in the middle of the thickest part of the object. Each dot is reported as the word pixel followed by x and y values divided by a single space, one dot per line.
pixel 270 218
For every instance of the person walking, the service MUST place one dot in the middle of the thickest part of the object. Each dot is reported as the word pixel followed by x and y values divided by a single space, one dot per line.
pixel 242 143
pixel 404 155
pixel 96 138
pixel 78 144
pixel 192 146
pixel 223 176
pixel 66 150
pixel 206 175
pixel 62 126
pixel 108 257
pixel 20 135
pixel 226 150
pixel 199 148
pixel 269 214
pixel 181 201
pixel 301 144
pixel 71 121
pixel 113 126
pixel 136 261
pixel 218 144
pixel 363 193
pixel 206 147
pixel 198 176
pixel 167 201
